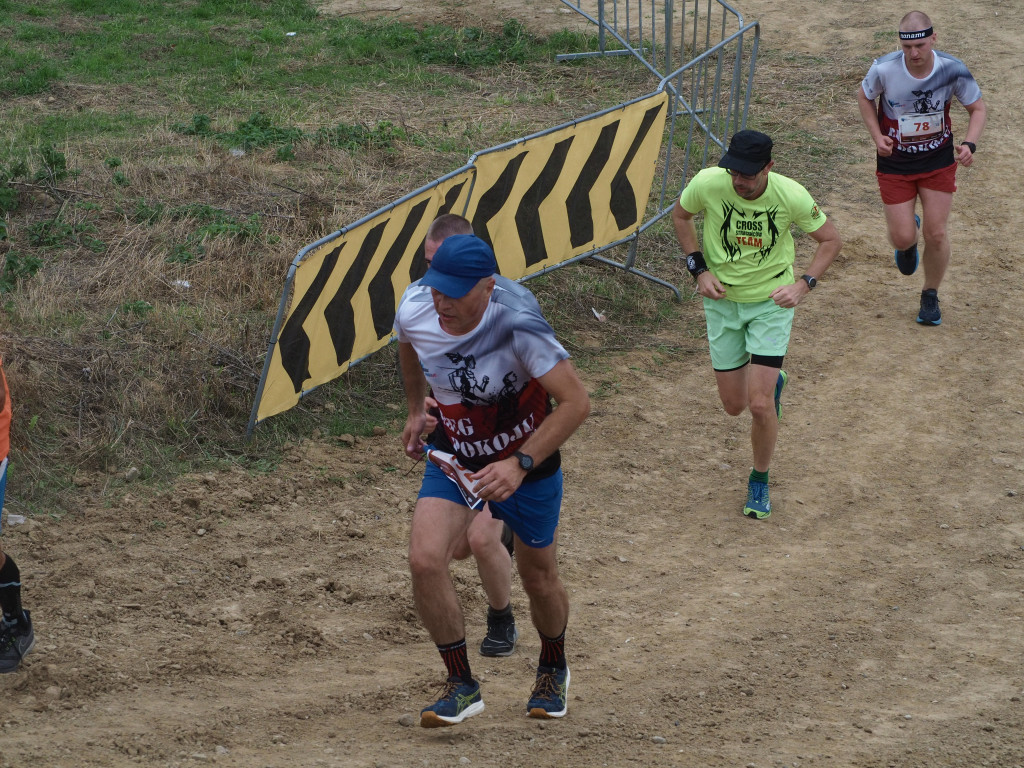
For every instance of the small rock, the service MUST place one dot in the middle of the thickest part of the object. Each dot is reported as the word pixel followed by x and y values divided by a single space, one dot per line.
pixel 407 720
pixel 659 740
pixel 379 431
pixel 132 474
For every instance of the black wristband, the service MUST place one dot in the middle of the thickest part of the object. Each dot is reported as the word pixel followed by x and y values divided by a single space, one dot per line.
pixel 695 263
pixel 970 145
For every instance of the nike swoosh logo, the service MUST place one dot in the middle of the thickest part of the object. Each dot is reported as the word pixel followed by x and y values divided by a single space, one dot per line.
pixel 535 541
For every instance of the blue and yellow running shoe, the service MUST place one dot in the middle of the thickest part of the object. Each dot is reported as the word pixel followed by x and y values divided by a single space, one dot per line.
pixel 458 701
pixel 550 693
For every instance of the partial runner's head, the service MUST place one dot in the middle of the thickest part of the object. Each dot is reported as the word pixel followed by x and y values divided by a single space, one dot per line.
pixel 441 228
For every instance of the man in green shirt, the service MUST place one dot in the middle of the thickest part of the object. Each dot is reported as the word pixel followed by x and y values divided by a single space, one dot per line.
pixel 746 277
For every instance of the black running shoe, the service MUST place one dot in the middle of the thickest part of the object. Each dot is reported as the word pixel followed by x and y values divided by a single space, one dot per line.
pixel 929 314
pixel 16 640
pixel 501 635
pixel 906 261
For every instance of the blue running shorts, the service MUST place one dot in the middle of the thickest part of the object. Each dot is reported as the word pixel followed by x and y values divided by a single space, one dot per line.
pixel 532 511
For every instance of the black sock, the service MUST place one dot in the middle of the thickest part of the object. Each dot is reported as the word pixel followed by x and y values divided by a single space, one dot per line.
pixel 505 613
pixel 456 660
pixel 10 591
pixel 552 650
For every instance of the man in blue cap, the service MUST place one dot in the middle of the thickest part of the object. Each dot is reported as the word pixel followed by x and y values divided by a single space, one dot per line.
pixel 493 365
pixel 488 539
pixel 747 281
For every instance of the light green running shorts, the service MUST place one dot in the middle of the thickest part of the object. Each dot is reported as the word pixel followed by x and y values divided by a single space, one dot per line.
pixel 737 330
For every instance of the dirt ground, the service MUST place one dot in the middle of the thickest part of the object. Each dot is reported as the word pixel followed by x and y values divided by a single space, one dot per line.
pixel 877 619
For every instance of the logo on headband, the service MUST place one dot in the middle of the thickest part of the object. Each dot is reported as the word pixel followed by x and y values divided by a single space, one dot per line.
pixel 919 35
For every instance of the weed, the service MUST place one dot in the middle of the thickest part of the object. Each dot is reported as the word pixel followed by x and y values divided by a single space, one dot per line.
pixel 146 212
pixel 53 167
pixel 354 137
pixel 201 125
pixel 17 268
pixel 259 131
pixel 137 308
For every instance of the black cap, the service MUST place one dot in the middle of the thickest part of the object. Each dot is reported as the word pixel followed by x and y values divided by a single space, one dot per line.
pixel 749 152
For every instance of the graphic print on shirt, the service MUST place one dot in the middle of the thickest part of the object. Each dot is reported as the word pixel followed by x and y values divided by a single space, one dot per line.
pixel 463 379
pixel 758 231
pixel 489 422
pixel 924 102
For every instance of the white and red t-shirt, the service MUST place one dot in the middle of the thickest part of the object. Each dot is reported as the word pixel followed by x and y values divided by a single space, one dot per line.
pixel 485 381
pixel 914 112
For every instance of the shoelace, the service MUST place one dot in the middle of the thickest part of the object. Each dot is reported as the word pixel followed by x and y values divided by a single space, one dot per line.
pixel 448 689
pixel 545 687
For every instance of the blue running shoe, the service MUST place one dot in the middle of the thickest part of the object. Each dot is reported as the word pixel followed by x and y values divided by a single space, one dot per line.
pixel 759 506
pixel 929 314
pixel 906 261
pixel 458 701
pixel 779 386
pixel 550 693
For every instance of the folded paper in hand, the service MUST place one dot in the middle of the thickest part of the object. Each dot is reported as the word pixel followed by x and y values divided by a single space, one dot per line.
pixel 457 473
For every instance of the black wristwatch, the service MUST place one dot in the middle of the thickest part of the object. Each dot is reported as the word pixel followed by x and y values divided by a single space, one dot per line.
pixel 971 146
pixel 810 280
pixel 525 462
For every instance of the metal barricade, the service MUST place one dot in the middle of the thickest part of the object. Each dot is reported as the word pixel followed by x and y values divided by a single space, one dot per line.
pixel 704 54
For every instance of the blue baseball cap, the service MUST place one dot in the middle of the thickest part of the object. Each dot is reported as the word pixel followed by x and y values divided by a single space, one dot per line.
pixel 459 264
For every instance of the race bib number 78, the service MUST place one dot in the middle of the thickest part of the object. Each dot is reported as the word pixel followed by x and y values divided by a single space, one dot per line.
pixel 921 126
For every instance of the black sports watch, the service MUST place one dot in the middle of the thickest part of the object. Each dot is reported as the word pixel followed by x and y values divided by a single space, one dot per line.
pixel 525 462
pixel 810 280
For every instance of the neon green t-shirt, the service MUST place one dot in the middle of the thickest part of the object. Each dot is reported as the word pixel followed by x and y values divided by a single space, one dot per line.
pixel 747 243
